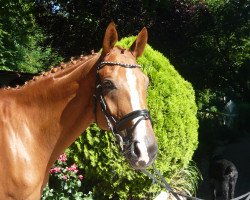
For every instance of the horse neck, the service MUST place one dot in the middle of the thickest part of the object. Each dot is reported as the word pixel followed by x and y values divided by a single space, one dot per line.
pixel 62 105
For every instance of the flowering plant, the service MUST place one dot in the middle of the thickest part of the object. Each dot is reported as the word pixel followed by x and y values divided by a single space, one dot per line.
pixel 65 182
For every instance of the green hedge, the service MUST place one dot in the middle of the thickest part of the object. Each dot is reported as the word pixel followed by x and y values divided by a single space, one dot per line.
pixel 172 105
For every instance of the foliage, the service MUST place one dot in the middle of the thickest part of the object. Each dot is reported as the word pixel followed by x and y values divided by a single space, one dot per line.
pixel 187 179
pixel 210 103
pixel 21 39
pixel 65 182
pixel 208 41
pixel 211 112
pixel 77 26
pixel 172 106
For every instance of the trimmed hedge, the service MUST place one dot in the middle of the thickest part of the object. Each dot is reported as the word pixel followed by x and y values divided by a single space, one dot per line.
pixel 171 102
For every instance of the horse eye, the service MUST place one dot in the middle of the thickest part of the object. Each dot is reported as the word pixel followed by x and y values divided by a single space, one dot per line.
pixel 108 85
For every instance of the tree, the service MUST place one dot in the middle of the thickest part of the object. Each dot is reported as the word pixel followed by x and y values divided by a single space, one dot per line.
pixel 207 41
pixel 77 27
pixel 21 40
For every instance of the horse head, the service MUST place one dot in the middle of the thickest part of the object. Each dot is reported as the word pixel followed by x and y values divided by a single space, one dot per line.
pixel 121 90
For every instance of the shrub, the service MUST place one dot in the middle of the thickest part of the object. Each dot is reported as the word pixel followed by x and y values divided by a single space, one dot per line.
pixel 172 105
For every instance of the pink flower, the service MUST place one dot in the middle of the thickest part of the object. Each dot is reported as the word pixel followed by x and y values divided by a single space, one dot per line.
pixel 55 170
pixel 80 177
pixel 64 177
pixel 73 168
pixel 63 157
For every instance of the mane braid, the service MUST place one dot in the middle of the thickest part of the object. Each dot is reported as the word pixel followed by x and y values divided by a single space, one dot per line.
pixel 63 65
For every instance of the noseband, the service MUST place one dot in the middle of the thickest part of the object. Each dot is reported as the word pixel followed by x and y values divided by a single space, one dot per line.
pixel 115 125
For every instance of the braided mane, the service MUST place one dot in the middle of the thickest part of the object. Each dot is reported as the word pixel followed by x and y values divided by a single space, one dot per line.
pixel 74 61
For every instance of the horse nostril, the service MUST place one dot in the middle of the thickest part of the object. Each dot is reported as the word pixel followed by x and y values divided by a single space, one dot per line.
pixel 135 150
pixel 142 163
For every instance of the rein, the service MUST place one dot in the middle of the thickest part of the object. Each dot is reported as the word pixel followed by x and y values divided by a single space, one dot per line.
pixel 115 125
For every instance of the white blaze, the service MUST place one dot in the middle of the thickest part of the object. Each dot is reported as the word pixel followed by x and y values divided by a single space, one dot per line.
pixel 140 130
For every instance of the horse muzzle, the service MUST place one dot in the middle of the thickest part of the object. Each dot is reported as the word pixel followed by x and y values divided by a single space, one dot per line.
pixel 138 143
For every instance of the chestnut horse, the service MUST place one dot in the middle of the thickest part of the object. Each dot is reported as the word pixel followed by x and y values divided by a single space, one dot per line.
pixel 39 120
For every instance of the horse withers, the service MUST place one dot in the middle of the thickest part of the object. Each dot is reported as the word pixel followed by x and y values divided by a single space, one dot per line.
pixel 40 119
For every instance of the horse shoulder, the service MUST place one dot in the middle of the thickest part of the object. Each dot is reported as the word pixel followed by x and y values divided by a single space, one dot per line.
pixel 20 178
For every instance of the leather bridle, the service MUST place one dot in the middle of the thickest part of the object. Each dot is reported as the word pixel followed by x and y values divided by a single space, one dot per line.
pixel 116 126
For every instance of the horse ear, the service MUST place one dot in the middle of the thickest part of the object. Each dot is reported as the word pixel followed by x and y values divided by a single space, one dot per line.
pixel 110 38
pixel 139 44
